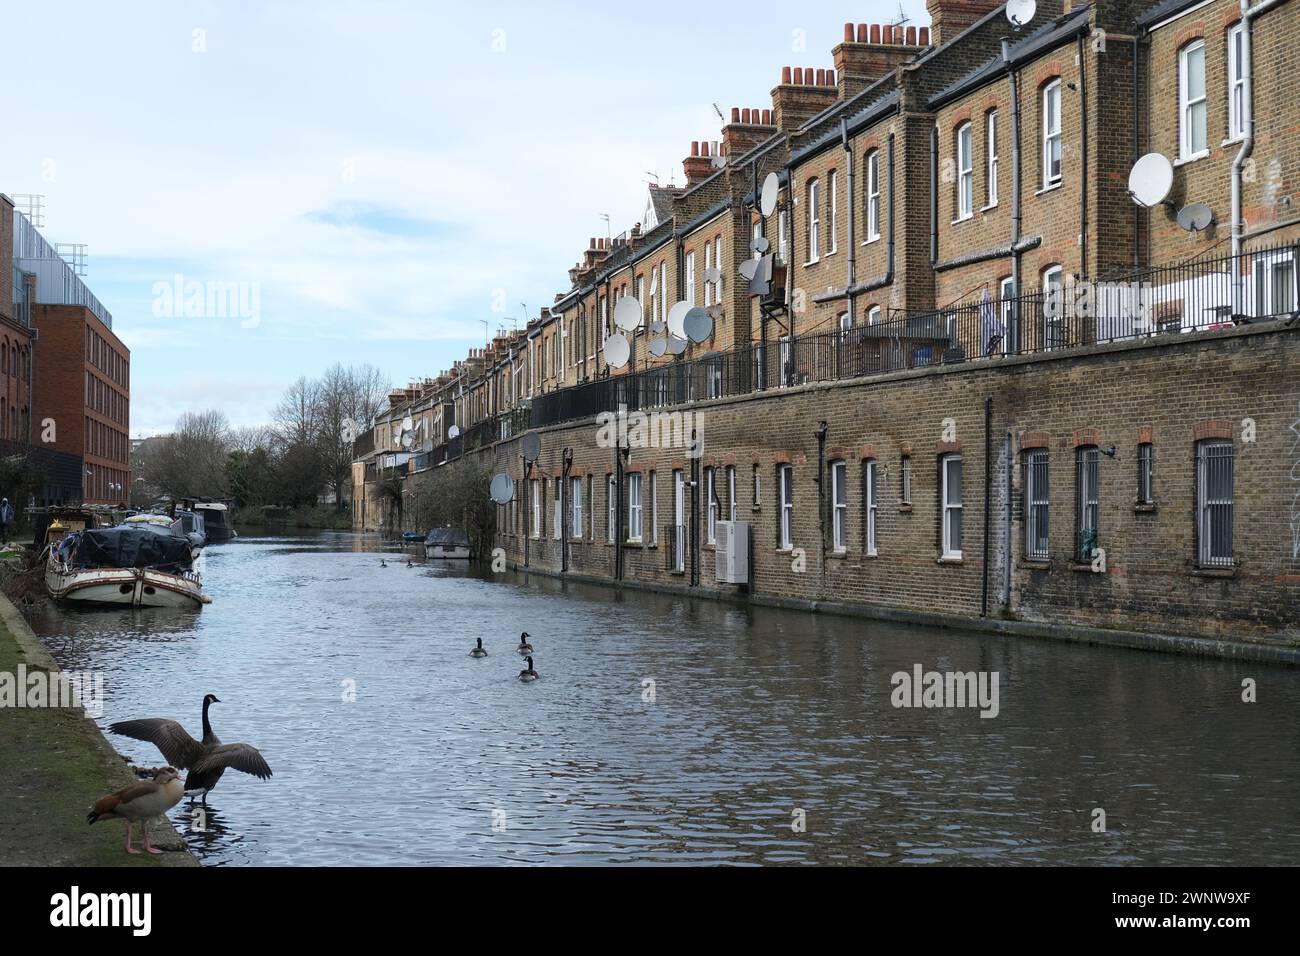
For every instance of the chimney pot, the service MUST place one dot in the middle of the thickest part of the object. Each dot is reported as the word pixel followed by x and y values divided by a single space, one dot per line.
pixel 875 33
pixel 785 75
pixel 695 147
pixel 735 114
pixel 821 77
pixel 808 75
pixel 848 33
pixel 862 33
pixel 911 36
pixel 925 36
pixel 767 117
pixel 744 115
pixel 830 77
pixel 798 76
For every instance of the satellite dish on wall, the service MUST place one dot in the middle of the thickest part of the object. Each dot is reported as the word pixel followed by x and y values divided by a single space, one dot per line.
pixel 502 489
pixel 767 198
pixel 759 245
pixel 675 345
pixel 658 347
pixel 658 328
pixel 407 424
pixel 747 269
pixel 1020 12
pixel 453 432
pixel 627 314
pixel 698 325
pixel 531 446
pixel 761 282
pixel 712 275
pixel 617 350
pixel 676 316
pixel 1195 216
pixel 1150 180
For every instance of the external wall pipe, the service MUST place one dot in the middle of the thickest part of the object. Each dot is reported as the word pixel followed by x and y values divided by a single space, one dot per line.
pixel 934 194
pixel 1013 77
pixel 988 501
pixel 852 259
pixel 1083 158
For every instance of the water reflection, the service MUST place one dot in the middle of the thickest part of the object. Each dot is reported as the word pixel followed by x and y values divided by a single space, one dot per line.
pixel 390 744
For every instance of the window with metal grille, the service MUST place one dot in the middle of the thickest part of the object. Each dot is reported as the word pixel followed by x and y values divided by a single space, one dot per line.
pixel 1214 503
pixel 1087 477
pixel 611 499
pixel 1146 471
pixel 575 485
pixel 1037 505
pixel 906 471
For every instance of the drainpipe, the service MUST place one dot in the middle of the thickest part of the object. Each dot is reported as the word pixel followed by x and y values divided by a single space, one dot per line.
pixel 695 509
pixel 528 505
pixel 1014 331
pixel 889 265
pixel 848 162
pixel 1248 15
pixel 822 428
pixel 934 194
pixel 988 502
pixel 1006 524
pixel 567 458
pixel 1083 180
pixel 620 456
pixel 1137 212
pixel 789 272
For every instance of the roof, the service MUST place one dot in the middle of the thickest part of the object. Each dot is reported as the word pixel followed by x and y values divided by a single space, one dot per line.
pixel 1167 8
pixel 661 199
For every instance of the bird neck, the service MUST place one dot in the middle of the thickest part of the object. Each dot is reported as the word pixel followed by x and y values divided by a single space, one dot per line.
pixel 207 727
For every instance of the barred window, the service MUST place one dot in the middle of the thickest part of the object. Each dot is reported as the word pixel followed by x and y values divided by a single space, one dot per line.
pixel 1088 502
pixel 906 472
pixel 1037 505
pixel 785 488
pixel 1146 468
pixel 1214 503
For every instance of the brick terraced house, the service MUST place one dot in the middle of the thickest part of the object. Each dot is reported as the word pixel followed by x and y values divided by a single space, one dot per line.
pixel 987 383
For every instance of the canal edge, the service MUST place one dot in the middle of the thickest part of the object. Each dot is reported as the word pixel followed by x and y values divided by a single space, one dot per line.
pixel 116 772
pixel 1225 650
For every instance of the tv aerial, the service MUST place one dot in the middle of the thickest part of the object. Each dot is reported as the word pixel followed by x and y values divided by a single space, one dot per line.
pixel 1195 216
pixel 1150 180
pixel 1020 12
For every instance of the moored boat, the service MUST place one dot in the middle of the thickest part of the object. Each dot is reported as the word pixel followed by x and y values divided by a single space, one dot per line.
pixel 449 543
pixel 147 561
pixel 217 523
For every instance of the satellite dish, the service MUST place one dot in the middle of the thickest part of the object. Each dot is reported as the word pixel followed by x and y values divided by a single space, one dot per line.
pixel 407 439
pixel 759 245
pixel 1020 12
pixel 453 432
pixel 617 350
pixel 531 446
pixel 658 347
pixel 1150 180
pixel 748 268
pixel 407 424
pixel 627 314
pixel 502 489
pixel 712 275
pixel 698 325
pixel 767 198
pixel 658 328
pixel 718 161
pixel 761 283
pixel 675 345
pixel 676 316
pixel 1195 216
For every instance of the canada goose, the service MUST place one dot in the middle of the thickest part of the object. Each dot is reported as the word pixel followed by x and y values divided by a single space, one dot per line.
pixel 528 674
pixel 524 647
pixel 410 563
pixel 478 650
pixel 383 563
pixel 139 802
pixel 206 760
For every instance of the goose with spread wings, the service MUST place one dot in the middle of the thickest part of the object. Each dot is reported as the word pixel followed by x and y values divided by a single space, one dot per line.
pixel 206 759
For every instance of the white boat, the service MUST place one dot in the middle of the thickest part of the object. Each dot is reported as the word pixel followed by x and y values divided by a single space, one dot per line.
pixel 144 562
pixel 447 543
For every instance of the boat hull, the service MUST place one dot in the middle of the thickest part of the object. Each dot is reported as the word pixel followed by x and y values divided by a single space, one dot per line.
pixel 123 587
pixel 448 552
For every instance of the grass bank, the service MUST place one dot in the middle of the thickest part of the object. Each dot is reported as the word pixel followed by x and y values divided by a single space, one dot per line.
pixel 54 764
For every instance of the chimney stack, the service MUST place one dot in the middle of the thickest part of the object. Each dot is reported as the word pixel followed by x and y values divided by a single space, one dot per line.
pixel 949 17
pixel 697 166
pixel 802 94
pixel 870 51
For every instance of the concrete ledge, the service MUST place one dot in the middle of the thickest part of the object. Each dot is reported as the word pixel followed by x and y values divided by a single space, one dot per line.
pixel 1075 633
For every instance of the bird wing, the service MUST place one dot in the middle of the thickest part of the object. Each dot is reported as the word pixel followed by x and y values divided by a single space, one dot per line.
pixel 114 800
pixel 242 757
pixel 180 749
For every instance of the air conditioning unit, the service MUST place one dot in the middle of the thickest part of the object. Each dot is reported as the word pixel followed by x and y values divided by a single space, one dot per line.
pixel 731 555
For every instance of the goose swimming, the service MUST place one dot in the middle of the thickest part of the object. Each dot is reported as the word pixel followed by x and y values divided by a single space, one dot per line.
pixel 529 674
pixel 478 650
pixel 524 647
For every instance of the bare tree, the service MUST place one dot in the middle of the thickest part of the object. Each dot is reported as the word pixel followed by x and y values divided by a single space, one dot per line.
pixel 191 461
pixel 296 419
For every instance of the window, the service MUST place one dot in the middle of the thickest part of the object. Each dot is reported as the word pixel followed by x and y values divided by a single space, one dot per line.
pixel 537 508
pixel 717 263
pixel 950 471
pixel 557 514
pixel 873 195
pixel 731 492
pixel 783 236
pixel 873 315
pixel 663 290
pixel 839 506
pixel 758 488
pixel 1146 469
pixel 787 363
pixel 1053 307
pixel 711 505
pixel 1236 83
pixel 591 496
pixel 1051 124
pixel 1275 283
pixel 611 519
pixel 708 264
pixel 634 506
pixel 871 497
pixel 785 490
pixel 905 481
pixel 991 158
pixel 1214 503
pixel 690 277
pixel 814 220
pixel 640 296
pixel 1191 101
pixel 832 184
pixel 965 173
pixel 575 491
pixel 654 508
pixel 679 520
pixel 1087 504
pixel 1037 500
pixel 846 325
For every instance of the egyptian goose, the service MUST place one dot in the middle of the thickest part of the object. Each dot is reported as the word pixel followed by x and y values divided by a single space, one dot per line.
pixel 140 801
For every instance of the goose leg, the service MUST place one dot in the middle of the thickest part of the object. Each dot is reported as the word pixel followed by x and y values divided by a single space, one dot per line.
pixel 147 848
pixel 129 848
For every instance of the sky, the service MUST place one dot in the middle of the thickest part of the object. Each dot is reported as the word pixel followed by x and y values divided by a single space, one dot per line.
pixel 266 188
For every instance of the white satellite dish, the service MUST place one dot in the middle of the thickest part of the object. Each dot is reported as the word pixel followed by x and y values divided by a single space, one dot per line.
pixel 453 432
pixel 407 424
pixel 502 489
pixel 698 325
pixel 531 446
pixel 1195 216
pixel 712 275
pixel 759 245
pixel 748 268
pixel 675 345
pixel 767 198
pixel 676 316
pixel 617 350
pixel 627 314
pixel 658 347
pixel 1020 12
pixel 1150 180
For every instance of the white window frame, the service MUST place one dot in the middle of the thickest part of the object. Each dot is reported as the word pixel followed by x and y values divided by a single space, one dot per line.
pixel 717 264
pixel 871 494
pixel 951 549
pixel 839 507
pixel 1236 83
pixel 711 505
pixel 833 208
pixel 783 236
pixel 690 277
pixel 1190 107
pixel 708 264
pixel 557 513
pixel 873 315
pixel 873 196
pixel 785 504
pixel 537 509
pixel 1053 324
pixel 634 529
pixel 679 520
pixel 575 493
pixel 731 492
pixel 654 507
pixel 611 519
pixel 846 325
pixel 965 173
pixel 784 357
pixel 1051 121
pixel 814 221
pixel 640 296
pixel 991 159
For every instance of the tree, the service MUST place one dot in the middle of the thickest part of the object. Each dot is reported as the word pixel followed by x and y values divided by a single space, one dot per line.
pixel 191 461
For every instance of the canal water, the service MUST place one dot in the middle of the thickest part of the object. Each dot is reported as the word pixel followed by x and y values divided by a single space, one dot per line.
pixel 758 722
